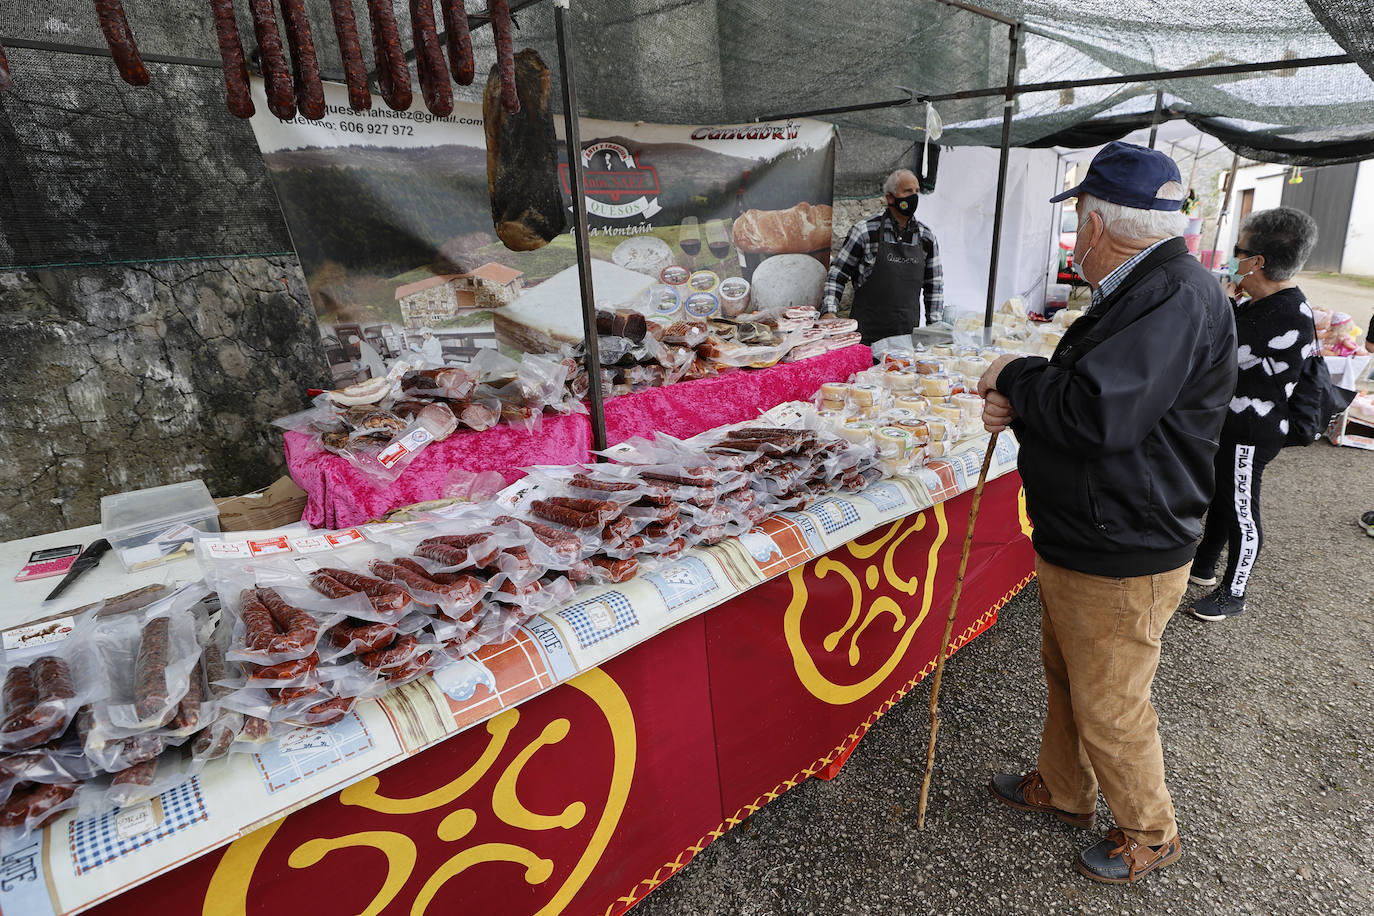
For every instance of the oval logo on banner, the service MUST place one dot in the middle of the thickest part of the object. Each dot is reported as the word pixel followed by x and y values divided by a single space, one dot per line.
pixel 843 651
pixel 515 807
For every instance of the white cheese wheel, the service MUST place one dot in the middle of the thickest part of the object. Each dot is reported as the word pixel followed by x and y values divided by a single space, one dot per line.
pixel 644 254
pixel 788 281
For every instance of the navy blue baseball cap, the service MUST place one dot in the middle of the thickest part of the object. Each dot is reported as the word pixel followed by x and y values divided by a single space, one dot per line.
pixel 1129 175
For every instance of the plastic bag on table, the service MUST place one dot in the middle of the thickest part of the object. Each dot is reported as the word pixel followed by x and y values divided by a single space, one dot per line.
pixel 146 659
pixel 60 761
pixel 620 483
pixel 49 671
pixel 545 382
pixel 465 485
pixel 543 546
pixel 279 623
pixel 531 599
pixel 614 570
pixel 296 673
pixel 685 333
pixel 577 513
pixel 351 636
pixel 321 420
pixel 32 806
pixel 478 413
pixel 109 750
pixel 448 382
pixel 451 597
pixel 387 463
pixel 382 601
pixel 138 782
pixel 456 537
pixel 220 726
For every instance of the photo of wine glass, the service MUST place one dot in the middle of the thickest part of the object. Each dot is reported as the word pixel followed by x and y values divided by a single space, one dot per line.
pixel 689 240
pixel 719 244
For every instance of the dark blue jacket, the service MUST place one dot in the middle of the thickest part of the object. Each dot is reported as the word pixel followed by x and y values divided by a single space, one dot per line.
pixel 1119 427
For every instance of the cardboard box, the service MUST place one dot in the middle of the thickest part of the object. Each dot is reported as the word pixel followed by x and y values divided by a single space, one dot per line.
pixel 1346 431
pixel 282 503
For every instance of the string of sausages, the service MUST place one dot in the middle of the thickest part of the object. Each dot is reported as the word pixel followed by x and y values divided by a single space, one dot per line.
pixel 236 93
pixel 355 72
pixel 297 84
pixel 305 66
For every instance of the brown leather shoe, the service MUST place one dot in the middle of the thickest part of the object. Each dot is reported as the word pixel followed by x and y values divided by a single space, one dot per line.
pixel 1118 859
pixel 1029 793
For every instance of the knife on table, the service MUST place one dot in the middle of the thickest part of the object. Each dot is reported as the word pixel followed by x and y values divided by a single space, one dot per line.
pixel 89 559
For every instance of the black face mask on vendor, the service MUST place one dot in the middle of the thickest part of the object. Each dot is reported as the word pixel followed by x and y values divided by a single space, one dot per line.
pixel 906 205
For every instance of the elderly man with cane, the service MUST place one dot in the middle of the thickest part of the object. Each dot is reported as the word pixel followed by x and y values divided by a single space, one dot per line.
pixel 1118 430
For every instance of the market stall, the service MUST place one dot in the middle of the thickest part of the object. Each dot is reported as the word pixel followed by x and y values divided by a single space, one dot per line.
pixel 549 700
pixel 834 599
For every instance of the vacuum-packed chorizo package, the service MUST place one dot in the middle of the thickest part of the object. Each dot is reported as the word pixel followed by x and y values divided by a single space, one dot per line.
pixel 138 782
pixel 273 612
pixel 48 671
pixel 146 660
pixel 33 805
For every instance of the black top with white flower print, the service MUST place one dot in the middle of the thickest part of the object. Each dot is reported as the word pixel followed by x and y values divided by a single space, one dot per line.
pixel 1273 336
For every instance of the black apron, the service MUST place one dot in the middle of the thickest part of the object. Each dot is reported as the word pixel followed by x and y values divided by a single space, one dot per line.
pixel 889 302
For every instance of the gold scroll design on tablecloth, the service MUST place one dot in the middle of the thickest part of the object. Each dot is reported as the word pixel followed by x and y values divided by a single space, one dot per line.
pixel 1021 514
pixel 867 608
pixel 227 894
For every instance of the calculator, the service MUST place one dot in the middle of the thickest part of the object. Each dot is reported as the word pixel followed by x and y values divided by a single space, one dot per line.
pixel 50 561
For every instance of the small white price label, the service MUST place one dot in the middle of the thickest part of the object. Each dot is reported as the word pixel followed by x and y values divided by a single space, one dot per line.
pixel 306 565
pixel 410 442
pixel 227 550
pixel 601 615
pixel 39 634
pixel 270 546
pixel 314 543
pixel 135 820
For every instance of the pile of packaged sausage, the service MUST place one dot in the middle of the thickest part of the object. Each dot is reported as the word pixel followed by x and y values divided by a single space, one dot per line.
pixel 124 700
pixel 381 425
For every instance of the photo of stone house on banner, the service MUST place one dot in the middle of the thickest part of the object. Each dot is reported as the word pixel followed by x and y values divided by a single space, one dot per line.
pixel 442 298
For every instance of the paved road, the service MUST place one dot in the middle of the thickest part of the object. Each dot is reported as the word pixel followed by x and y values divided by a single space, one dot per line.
pixel 1341 294
pixel 1268 735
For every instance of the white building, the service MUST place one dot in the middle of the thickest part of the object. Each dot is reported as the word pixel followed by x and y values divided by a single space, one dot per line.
pixel 1340 198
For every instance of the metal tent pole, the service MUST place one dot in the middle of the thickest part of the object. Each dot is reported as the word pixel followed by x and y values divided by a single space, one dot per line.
pixel 1014 45
pixel 1197 155
pixel 584 259
pixel 1225 204
pixel 1154 120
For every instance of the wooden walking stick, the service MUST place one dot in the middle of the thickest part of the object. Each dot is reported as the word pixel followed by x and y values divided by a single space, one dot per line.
pixel 949 628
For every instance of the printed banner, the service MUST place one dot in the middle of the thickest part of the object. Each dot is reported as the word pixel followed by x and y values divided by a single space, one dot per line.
pixel 584 799
pixel 391 216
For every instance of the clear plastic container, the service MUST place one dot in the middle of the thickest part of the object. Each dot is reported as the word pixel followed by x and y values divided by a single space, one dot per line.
pixel 154 526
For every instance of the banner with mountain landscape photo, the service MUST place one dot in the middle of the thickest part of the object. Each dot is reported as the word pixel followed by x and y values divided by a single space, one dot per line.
pixel 390 215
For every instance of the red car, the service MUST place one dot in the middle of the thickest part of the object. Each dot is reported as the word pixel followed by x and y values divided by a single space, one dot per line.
pixel 1068 236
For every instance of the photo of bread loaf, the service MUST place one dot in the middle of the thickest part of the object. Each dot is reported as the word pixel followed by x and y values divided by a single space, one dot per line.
pixel 796 230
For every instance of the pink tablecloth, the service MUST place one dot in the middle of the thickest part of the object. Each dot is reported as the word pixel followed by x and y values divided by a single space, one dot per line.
pixel 341 496
pixel 688 408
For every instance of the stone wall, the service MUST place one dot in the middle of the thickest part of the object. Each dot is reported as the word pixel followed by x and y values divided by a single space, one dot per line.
pixel 122 377
pixel 153 321
pixel 848 211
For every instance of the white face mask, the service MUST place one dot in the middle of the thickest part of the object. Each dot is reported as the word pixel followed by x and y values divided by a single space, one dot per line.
pixel 1078 264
